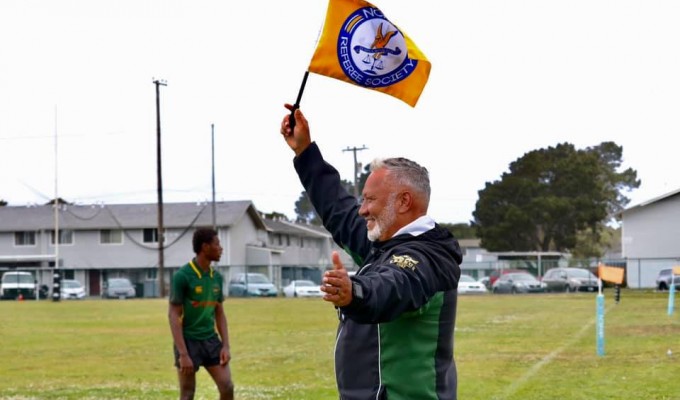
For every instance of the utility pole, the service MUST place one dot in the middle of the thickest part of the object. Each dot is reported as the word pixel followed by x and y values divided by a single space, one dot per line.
pixel 56 277
pixel 159 175
pixel 356 167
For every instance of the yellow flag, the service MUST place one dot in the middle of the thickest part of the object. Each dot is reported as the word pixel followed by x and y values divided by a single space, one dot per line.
pixel 611 274
pixel 359 45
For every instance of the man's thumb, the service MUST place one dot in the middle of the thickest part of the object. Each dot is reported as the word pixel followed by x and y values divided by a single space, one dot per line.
pixel 337 264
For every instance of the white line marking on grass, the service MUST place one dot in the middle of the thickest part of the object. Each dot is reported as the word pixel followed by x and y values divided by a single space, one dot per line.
pixel 547 359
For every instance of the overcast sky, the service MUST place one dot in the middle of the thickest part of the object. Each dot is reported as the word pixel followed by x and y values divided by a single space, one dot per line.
pixel 508 77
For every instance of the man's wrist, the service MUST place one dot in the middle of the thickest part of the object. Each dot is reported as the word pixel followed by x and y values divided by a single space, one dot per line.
pixel 357 291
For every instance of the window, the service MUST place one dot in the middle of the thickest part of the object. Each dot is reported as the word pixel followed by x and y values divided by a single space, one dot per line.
pixel 110 236
pixel 150 235
pixel 65 237
pixel 24 238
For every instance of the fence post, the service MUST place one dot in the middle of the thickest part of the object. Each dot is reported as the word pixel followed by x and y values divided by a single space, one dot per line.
pixel 671 295
pixel 600 320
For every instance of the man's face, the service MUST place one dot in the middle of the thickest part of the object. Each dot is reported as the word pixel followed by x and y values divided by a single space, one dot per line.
pixel 213 250
pixel 378 207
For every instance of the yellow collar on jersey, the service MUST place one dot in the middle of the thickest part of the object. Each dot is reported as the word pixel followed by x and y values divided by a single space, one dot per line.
pixel 198 271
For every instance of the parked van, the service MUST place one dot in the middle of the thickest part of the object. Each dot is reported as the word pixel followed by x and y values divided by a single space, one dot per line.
pixel 15 283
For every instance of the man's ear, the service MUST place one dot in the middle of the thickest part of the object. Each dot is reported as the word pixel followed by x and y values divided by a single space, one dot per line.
pixel 404 201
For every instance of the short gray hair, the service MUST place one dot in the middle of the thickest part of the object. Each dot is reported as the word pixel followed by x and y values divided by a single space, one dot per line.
pixel 407 173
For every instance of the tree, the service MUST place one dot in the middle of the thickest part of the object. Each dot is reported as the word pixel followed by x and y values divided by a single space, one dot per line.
pixel 304 210
pixel 362 178
pixel 590 245
pixel 275 216
pixel 552 195
pixel 461 230
pixel 2 203
pixel 59 201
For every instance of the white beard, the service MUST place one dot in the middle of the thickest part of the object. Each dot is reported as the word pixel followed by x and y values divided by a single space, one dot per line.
pixel 384 220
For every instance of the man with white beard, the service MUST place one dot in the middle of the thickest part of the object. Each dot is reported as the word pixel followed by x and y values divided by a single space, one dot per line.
pixel 397 314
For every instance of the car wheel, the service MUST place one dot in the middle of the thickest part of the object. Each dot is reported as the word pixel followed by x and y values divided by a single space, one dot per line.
pixel 514 290
pixel 662 286
pixel 294 294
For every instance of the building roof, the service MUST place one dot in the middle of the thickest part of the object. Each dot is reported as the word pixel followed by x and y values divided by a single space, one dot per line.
pixel 291 228
pixel 652 201
pixel 127 216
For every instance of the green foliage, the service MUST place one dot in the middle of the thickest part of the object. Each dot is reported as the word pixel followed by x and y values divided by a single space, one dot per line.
pixel 58 200
pixel 2 203
pixel 304 210
pixel 274 215
pixel 551 196
pixel 531 347
pixel 592 245
pixel 363 176
pixel 460 230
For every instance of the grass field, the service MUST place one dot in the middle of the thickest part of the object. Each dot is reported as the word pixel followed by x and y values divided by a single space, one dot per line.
pixel 507 347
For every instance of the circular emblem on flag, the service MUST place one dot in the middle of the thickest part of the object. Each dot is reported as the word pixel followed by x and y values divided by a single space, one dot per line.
pixel 372 52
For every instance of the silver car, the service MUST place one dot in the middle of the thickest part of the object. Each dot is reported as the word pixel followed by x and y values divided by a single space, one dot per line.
pixel 663 280
pixel 570 280
pixel 251 285
pixel 118 288
pixel 517 282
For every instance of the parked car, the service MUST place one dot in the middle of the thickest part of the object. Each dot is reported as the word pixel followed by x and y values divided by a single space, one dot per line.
pixel 570 280
pixel 71 289
pixel 302 288
pixel 517 282
pixel 118 288
pixel 486 281
pixel 663 280
pixel 468 284
pixel 497 273
pixel 251 285
pixel 17 283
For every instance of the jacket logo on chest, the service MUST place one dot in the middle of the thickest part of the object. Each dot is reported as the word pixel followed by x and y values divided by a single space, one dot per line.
pixel 404 262
pixel 199 289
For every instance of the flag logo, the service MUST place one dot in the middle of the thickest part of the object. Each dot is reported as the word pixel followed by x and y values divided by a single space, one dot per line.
pixel 370 50
pixel 359 45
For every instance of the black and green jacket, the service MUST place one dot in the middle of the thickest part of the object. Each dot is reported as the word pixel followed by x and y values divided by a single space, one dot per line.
pixel 397 342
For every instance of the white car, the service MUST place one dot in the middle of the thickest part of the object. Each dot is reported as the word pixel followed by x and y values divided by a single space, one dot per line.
pixel 468 284
pixel 72 289
pixel 302 288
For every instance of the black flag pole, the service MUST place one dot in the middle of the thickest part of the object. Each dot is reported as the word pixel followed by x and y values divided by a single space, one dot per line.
pixel 291 118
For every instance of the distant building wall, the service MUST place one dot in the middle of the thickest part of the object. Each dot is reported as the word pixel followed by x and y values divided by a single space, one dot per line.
pixel 652 230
